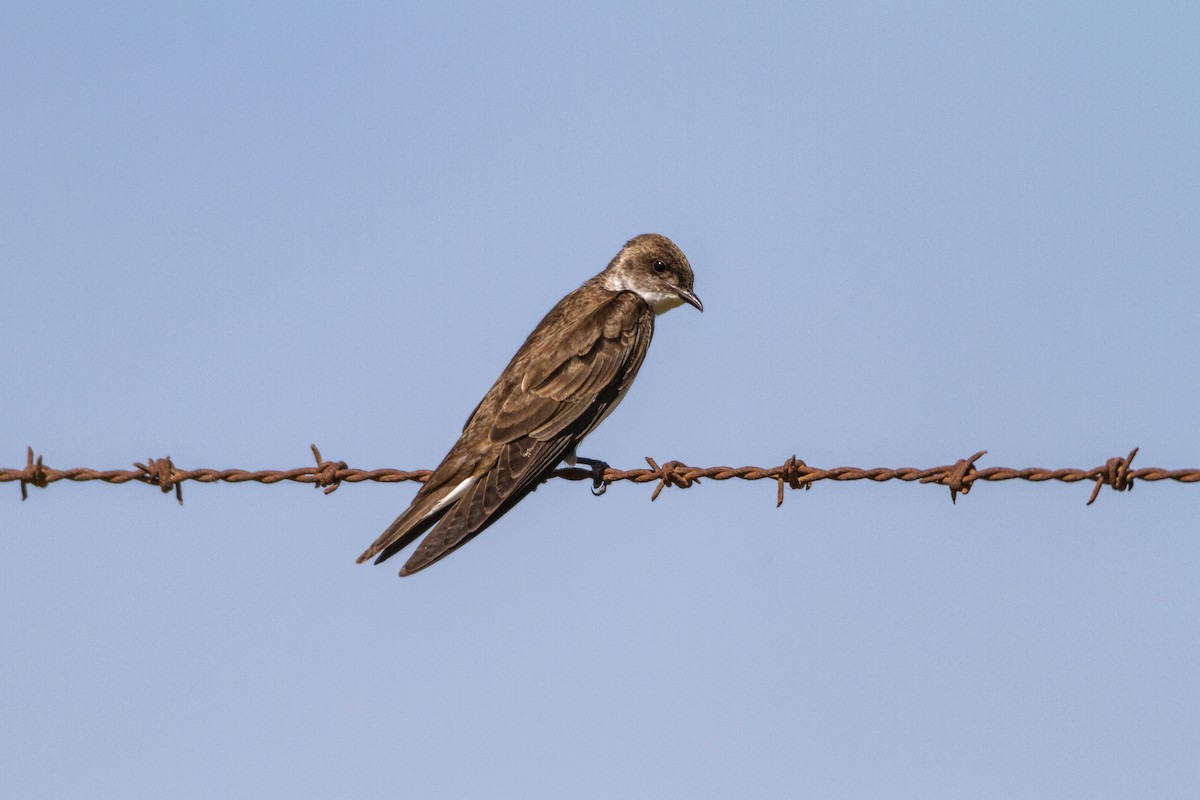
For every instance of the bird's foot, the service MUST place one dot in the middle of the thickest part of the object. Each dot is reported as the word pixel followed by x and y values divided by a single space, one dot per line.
pixel 599 485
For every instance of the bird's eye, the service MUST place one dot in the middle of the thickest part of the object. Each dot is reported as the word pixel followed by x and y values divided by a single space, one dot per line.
pixel 660 267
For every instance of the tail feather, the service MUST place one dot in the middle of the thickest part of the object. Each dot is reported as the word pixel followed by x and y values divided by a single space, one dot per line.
pixel 432 503
pixel 466 519
pixel 404 530
pixel 399 535
pixel 519 467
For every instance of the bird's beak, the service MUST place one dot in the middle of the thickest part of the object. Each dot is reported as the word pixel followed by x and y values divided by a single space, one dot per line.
pixel 691 299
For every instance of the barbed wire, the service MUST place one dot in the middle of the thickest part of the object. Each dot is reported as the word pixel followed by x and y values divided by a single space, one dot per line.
pixel 793 473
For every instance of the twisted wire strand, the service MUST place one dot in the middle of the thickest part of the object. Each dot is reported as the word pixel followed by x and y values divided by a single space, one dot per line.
pixel 959 477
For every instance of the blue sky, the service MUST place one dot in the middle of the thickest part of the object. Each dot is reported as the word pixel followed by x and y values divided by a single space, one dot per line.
pixel 919 230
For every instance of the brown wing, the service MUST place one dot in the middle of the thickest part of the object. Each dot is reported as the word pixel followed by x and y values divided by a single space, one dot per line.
pixel 542 407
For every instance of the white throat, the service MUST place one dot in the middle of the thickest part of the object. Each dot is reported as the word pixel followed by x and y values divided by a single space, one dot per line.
pixel 661 302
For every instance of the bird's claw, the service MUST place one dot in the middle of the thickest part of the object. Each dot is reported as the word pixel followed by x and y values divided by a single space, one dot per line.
pixel 599 485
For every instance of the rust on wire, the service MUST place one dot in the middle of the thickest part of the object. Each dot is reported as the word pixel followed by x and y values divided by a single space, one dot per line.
pixel 1115 474
pixel 33 473
pixel 161 472
pixel 789 475
pixel 958 477
pixel 672 473
pixel 326 474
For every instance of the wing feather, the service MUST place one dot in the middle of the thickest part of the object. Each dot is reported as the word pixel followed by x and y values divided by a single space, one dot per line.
pixel 598 354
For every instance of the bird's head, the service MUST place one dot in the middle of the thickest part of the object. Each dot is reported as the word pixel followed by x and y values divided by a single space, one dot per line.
pixel 653 267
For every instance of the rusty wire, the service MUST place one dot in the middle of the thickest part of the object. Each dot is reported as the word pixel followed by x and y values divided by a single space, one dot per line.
pixel 958 477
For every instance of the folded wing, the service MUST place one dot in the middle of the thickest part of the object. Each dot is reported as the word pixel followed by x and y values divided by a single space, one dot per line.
pixel 574 367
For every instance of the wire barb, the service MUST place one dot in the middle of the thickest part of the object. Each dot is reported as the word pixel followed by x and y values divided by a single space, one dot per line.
pixel 672 473
pixel 327 473
pixel 33 473
pixel 789 474
pixel 160 472
pixel 959 477
pixel 1116 474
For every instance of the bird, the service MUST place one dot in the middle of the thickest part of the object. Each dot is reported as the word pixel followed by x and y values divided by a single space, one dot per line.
pixel 567 377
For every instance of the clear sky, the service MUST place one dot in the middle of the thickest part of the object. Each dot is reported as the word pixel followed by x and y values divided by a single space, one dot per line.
pixel 919 230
